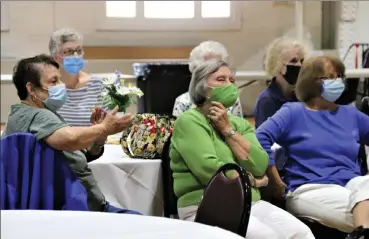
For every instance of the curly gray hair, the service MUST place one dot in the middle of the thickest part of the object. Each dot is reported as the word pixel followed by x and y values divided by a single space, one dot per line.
pixel 62 36
pixel 207 50
pixel 198 85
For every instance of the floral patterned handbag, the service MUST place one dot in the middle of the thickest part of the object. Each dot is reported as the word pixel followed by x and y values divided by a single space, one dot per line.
pixel 147 135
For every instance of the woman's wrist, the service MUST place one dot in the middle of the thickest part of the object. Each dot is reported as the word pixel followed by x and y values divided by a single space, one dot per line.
pixel 100 143
pixel 225 131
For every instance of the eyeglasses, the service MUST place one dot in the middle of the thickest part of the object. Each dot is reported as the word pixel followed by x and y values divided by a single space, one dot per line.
pixel 70 51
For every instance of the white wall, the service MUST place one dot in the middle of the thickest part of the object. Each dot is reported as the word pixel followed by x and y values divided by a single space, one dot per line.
pixel 353 27
pixel 31 23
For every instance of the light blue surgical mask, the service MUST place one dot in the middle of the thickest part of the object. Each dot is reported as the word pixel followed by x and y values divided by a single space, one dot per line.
pixel 57 97
pixel 73 64
pixel 333 89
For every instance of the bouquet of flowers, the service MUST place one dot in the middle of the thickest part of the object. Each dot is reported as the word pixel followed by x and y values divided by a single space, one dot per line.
pixel 116 93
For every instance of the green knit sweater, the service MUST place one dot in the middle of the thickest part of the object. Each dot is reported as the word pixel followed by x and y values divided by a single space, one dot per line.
pixel 197 151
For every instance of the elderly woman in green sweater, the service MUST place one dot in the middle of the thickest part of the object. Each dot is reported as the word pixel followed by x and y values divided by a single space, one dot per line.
pixel 206 137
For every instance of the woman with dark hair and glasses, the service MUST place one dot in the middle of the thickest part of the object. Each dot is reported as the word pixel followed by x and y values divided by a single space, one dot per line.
pixel 321 141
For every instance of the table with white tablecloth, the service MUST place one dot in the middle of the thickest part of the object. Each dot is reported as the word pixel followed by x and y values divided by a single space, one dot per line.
pixel 134 184
pixel 94 225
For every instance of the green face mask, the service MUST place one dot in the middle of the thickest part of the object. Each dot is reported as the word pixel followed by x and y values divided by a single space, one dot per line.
pixel 226 95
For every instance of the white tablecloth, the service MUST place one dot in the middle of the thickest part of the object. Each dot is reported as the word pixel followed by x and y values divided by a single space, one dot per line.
pixel 129 183
pixel 94 225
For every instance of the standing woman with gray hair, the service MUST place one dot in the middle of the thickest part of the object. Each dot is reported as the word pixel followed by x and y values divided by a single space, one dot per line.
pixel 207 50
pixel 207 137
pixel 84 90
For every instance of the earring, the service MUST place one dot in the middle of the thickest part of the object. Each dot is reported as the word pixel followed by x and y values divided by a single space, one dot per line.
pixel 33 97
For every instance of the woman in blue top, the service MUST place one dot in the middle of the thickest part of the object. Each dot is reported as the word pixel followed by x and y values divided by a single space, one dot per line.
pixel 321 140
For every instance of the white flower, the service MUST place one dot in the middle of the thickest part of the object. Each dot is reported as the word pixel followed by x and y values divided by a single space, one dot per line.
pixel 129 90
pixel 123 90
pixel 135 91
pixel 110 81
pixel 104 93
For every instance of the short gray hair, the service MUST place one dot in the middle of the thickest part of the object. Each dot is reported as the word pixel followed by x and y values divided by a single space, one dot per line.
pixel 62 36
pixel 198 84
pixel 207 49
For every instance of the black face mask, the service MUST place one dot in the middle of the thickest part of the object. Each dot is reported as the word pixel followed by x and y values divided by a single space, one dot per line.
pixel 291 74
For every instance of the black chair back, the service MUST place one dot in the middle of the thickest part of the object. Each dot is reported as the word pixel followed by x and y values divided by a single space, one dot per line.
pixel 169 198
pixel 226 203
pixel 162 84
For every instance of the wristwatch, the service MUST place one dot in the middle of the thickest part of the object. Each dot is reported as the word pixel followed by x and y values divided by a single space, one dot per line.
pixel 231 133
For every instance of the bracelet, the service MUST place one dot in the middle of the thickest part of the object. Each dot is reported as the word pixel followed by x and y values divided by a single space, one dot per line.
pixel 252 180
pixel 230 133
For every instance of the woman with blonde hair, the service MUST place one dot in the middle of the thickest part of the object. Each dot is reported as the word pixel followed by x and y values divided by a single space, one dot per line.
pixel 282 62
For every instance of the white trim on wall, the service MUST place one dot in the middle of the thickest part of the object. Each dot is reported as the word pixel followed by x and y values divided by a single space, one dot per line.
pixel 244 75
pixel 140 23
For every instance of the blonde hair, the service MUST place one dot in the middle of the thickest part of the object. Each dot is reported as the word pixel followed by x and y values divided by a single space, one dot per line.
pixel 207 50
pixel 276 53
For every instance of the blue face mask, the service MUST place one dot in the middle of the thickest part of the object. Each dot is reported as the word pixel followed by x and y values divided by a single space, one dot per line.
pixel 73 64
pixel 332 89
pixel 57 97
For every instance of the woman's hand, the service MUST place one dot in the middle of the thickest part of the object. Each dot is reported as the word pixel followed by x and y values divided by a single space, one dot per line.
pixel 115 124
pixel 261 182
pixel 97 117
pixel 218 115
pixel 279 190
